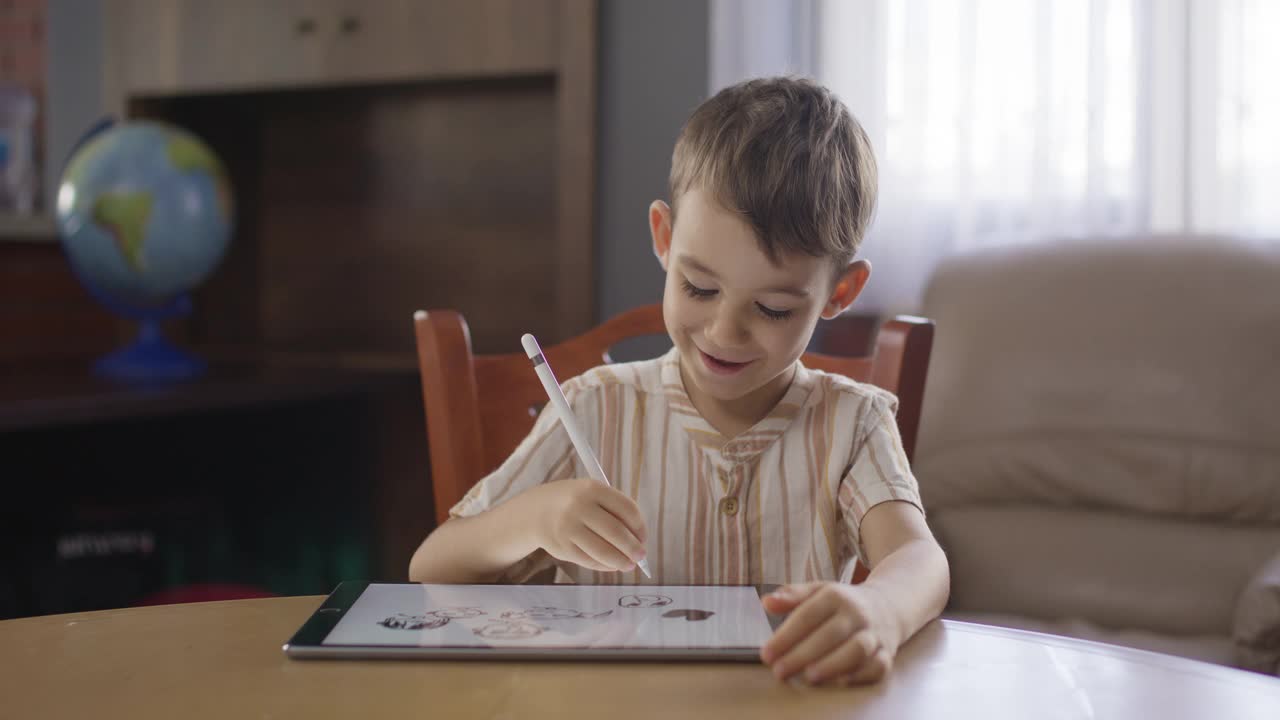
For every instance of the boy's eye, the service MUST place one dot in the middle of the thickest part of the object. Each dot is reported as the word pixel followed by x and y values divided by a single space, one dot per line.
pixel 773 314
pixel 696 292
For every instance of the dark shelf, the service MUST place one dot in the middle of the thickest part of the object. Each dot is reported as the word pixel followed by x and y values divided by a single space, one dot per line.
pixel 280 477
pixel 52 394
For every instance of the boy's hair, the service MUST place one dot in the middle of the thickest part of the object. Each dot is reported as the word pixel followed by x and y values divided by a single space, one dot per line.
pixel 787 155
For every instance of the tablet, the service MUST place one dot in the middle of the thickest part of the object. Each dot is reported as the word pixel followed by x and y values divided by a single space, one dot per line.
pixel 536 622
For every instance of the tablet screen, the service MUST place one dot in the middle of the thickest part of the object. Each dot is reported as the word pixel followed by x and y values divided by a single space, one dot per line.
pixel 553 616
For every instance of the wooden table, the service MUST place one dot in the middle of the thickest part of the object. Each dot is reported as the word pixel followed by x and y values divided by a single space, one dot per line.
pixel 224 660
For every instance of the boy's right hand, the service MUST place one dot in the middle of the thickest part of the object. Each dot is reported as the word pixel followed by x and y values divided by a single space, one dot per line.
pixel 586 522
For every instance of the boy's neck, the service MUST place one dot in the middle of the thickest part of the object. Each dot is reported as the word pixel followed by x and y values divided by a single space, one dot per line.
pixel 731 418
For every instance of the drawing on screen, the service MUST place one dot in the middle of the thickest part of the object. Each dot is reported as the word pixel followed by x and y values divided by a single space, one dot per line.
pixel 643 601
pixel 524 624
pixel 401 621
pixel 509 630
pixel 429 620
pixel 689 615
pixel 457 613
pixel 552 613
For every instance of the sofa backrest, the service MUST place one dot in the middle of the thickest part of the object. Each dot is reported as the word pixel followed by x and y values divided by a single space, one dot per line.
pixel 1136 375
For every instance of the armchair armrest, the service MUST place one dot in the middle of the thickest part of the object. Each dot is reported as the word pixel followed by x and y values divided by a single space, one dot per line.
pixel 1256 629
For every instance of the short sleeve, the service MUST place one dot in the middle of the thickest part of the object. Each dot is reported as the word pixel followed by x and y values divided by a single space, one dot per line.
pixel 878 471
pixel 544 455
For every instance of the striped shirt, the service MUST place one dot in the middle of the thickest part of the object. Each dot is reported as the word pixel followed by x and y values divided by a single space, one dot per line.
pixel 779 503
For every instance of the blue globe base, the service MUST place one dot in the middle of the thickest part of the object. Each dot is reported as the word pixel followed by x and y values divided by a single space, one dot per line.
pixel 150 357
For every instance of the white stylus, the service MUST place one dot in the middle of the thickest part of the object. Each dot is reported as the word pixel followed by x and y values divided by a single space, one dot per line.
pixel 561 405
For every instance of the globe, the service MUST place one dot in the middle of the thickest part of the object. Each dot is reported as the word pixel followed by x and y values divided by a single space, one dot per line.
pixel 145 214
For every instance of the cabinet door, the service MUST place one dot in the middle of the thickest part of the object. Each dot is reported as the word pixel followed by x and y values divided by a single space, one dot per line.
pixel 166 47
pixel 388 40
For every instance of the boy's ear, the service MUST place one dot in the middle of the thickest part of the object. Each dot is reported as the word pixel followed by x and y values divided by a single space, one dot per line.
pixel 847 288
pixel 660 230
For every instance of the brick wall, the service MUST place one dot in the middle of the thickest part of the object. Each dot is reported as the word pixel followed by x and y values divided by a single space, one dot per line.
pixel 22 58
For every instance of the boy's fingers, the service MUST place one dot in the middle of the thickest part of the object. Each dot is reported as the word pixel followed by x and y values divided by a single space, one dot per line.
pixel 787 597
pixel 602 551
pixel 797 626
pixel 830 635
pixel 626 510
pixel 853 656
pixel 874 669
pixel 578 556
pixel 608 527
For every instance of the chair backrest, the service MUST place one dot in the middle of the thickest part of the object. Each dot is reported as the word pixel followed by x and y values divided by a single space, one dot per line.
pixel 479 407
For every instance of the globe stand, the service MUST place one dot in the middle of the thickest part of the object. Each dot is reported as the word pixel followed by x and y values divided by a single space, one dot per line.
pixel 151 356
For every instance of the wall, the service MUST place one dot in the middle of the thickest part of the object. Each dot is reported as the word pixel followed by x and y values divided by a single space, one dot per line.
pixel 74 74
pixel 653 72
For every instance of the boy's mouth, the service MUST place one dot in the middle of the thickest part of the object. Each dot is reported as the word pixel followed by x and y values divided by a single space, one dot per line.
pixel 721 367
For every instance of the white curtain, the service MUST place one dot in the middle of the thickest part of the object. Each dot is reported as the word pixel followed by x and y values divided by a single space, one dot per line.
pixel 1235 117
pixel 1016 121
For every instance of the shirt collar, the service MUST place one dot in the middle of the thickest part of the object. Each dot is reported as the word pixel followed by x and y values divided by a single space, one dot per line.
pixel 751 442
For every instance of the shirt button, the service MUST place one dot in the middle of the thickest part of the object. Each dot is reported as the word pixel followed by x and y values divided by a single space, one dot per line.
pixel 729 506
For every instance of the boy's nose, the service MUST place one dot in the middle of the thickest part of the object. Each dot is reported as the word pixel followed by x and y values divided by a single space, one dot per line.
pixel 726 331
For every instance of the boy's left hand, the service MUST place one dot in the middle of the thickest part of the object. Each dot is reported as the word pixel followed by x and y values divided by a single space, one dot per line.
pixel 836 633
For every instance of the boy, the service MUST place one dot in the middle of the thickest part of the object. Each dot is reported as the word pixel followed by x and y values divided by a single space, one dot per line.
pixel 731 463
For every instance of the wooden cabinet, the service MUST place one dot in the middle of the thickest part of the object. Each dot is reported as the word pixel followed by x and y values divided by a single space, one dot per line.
pixel 162 47
pixel 386 156
pixel 414 39
pixel 168 47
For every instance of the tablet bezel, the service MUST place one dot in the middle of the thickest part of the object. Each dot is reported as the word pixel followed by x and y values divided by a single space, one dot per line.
pixel 308 642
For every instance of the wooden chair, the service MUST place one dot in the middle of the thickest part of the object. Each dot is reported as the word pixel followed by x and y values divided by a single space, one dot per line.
pixel 478 408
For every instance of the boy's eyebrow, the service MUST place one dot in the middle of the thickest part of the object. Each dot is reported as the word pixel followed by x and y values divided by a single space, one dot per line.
pixel 699 267
pixel 687 260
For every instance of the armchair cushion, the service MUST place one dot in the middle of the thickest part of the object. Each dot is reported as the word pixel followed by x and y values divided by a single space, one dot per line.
pixel 1119 570
pixel 1135 375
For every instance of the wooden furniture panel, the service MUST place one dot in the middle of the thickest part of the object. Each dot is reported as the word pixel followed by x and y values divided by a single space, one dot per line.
pixel 348 444
pixel 417 170
pixel 384 156
pixel 44 311
pixel 398 39
pixel 167 47
pixel 375 204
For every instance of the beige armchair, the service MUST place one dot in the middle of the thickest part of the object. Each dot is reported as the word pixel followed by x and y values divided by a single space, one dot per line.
pixel 1100 442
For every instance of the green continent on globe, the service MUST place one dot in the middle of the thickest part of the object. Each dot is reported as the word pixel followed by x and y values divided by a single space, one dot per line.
pixel 188 154
pixel 125 216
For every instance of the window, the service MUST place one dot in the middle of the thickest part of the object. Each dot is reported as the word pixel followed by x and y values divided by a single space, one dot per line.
pixel 1014 121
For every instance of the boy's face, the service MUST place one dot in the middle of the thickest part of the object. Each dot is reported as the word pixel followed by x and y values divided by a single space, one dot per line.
pixel 739 321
